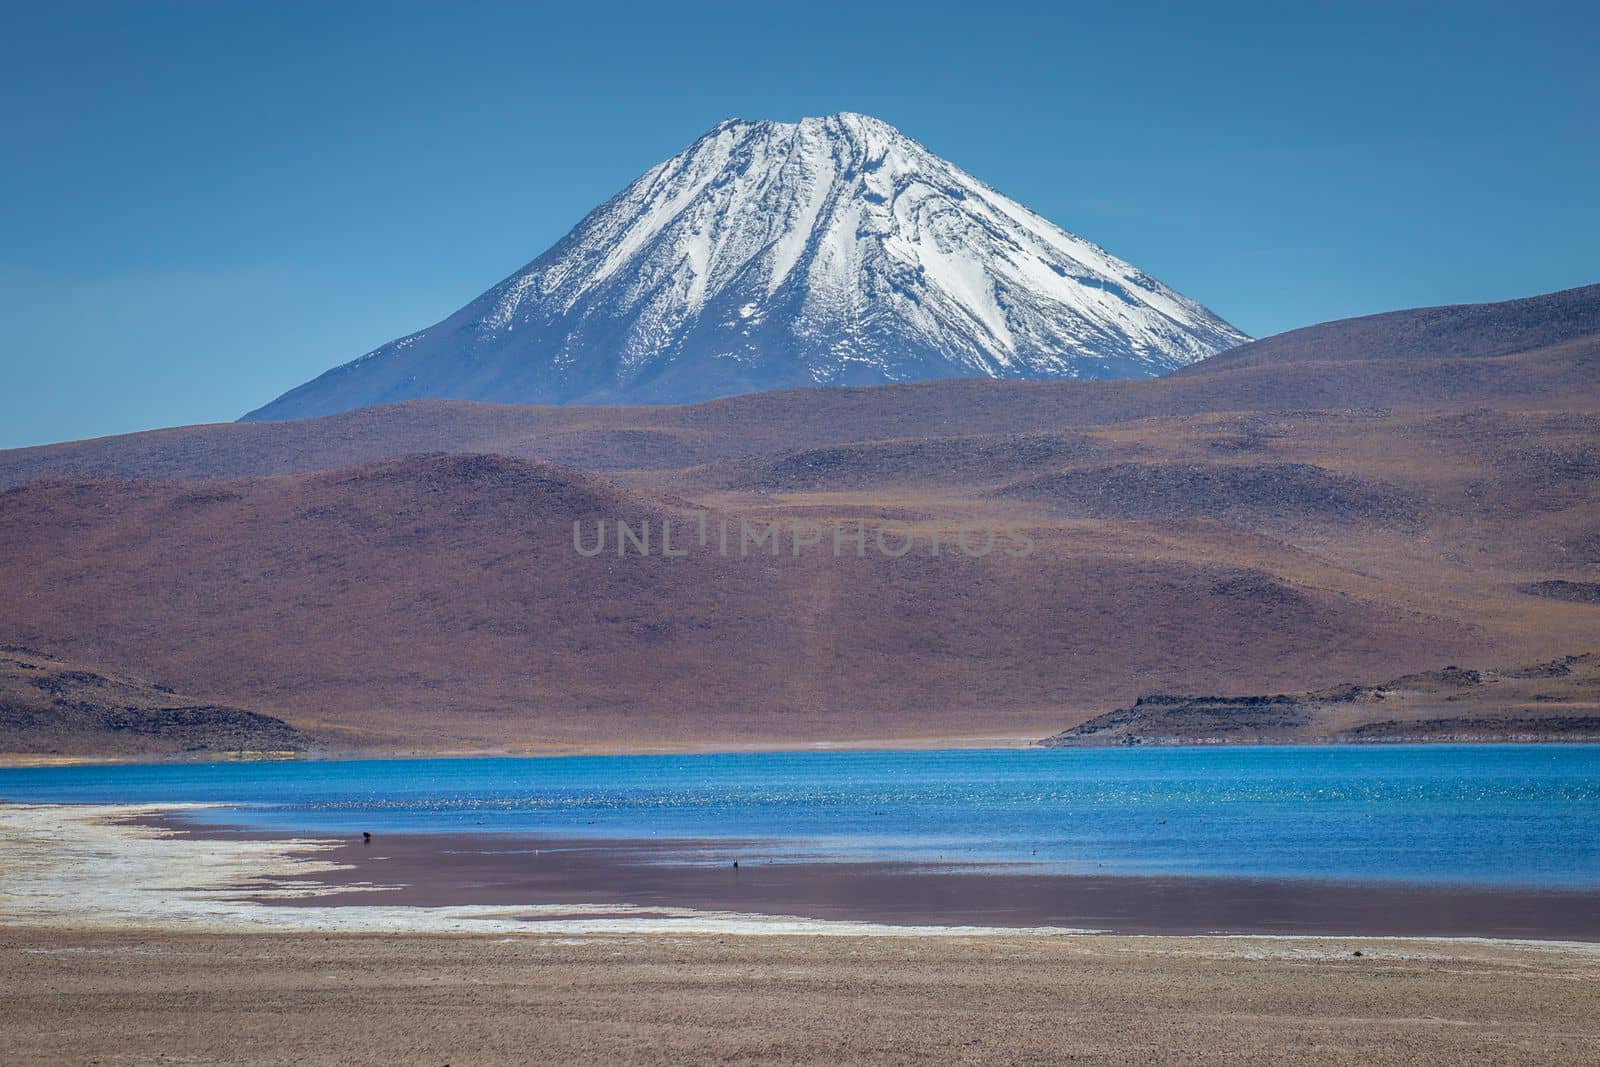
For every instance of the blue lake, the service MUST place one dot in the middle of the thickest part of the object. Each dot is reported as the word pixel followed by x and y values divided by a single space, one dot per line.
pixel 1470 814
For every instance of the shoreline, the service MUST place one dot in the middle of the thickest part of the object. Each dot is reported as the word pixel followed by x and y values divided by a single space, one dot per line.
pixel 166 956
pixel 171 872
pixel 13 761
pixel 23 761
pixel 732 877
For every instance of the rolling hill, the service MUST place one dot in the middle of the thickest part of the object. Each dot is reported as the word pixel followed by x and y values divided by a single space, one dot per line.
pixel 1333 509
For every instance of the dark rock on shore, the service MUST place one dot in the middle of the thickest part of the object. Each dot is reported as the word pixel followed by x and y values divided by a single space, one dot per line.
pixel 1165 718
pixel 1474 728
pixel 1558 700
pixel 1557 589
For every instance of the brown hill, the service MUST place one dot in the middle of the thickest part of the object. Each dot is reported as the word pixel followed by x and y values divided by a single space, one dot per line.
pixel 48 707
pixel 955 460
pixel 1469 331
pixel 440 598
pixel 1357 507
pixel 1248 493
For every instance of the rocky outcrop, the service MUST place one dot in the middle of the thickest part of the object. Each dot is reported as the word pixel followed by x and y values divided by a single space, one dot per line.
pixel 49 707
pixel 1558 700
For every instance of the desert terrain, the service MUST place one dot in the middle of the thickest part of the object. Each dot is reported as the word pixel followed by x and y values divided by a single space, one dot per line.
pixel 1339 506
pixel 75 996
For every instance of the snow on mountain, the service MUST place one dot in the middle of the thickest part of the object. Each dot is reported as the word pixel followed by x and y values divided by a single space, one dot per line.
pixel 831 251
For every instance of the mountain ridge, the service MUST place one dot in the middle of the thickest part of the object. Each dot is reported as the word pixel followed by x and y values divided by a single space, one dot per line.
pixel 1267 377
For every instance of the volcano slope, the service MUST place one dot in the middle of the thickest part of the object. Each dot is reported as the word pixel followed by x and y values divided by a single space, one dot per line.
pixel 1345 504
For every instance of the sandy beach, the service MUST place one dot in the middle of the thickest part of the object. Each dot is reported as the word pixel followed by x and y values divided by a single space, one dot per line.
pixel 143 996
pixel 126 940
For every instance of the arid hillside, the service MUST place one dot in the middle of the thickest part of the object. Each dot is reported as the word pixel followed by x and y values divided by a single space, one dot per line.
pixel 51 708
pixel 1336 506
pixel 441 597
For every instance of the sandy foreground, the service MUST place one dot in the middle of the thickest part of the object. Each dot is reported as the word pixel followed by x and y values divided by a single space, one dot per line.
pixel 131 996
pixel 120 943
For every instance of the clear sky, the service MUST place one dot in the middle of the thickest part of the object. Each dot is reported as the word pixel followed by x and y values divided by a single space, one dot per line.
pixel 204 204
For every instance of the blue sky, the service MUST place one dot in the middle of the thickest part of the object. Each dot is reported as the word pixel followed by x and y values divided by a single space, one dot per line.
pixel 204 204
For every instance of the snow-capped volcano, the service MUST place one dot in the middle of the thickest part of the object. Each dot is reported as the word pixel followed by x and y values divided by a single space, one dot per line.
pixel 830 251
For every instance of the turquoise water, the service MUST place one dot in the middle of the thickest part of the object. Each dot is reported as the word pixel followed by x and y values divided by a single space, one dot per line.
pixel 1479 814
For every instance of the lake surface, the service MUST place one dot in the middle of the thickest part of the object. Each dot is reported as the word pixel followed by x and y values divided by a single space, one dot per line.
pixel 1503 815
